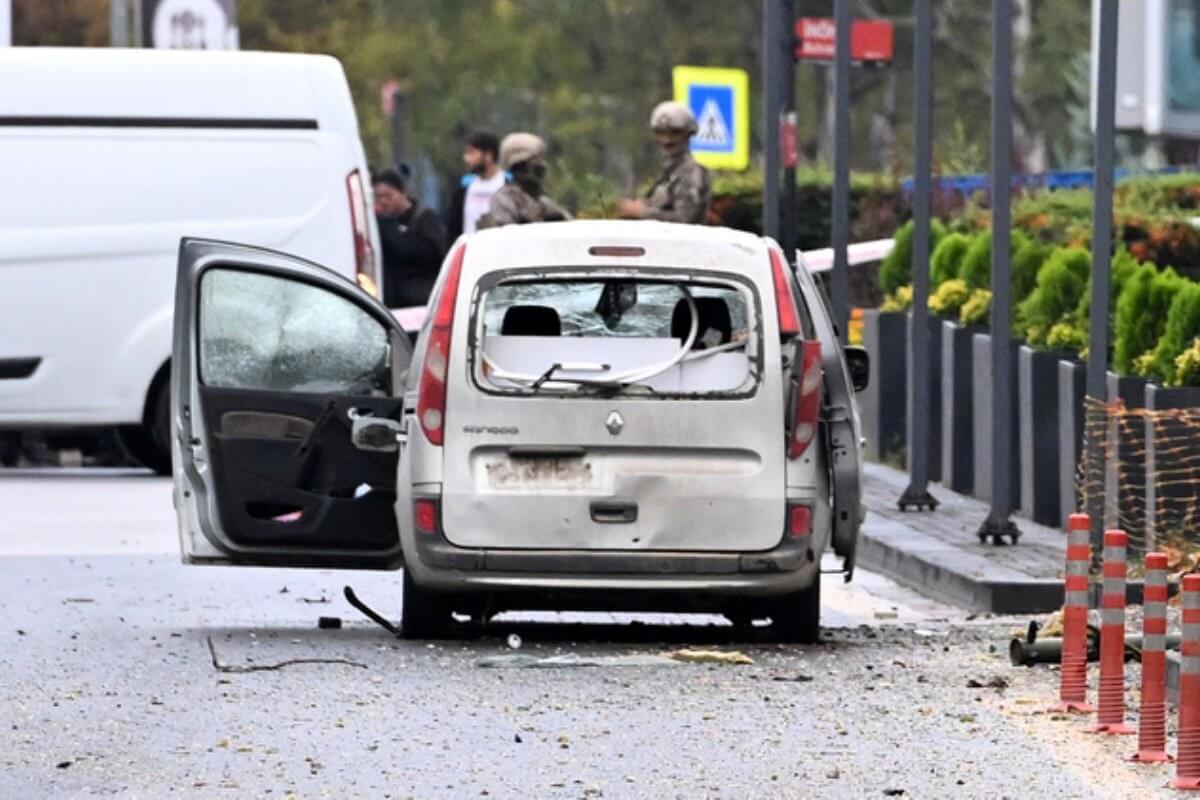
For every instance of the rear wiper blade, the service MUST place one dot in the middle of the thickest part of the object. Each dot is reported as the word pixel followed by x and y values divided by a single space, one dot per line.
pixel 569 367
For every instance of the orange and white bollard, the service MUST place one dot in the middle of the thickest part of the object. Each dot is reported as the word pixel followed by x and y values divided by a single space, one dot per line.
pixel 1110 715
pixel 1072 693
pixel 1152 720
pixel 1187 763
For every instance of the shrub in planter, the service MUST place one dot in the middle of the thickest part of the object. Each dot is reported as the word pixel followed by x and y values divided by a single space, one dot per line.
pixel 949 297
pixel 1124 265
pixel 896 268
pixel 1141 315
pixel 899 300
pixel 946 257
pixel 1187 365
pixel 1026 264
pixel 977 308
pixel 976 268
pixel 1182 328
pixel 1061 283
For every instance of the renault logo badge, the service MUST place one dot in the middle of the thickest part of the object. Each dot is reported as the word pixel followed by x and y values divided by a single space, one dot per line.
pixel 614 422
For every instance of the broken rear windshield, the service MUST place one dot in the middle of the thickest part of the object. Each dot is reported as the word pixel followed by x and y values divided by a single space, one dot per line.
pixel 618 335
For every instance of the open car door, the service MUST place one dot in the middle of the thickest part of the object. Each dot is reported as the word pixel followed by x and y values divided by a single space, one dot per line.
pixel 287 390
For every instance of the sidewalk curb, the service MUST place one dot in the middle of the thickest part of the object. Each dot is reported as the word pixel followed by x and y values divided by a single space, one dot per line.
pixel 950 574
pixel 946 573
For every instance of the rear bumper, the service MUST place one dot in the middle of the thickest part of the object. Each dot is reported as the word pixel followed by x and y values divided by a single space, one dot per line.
pixel 440 565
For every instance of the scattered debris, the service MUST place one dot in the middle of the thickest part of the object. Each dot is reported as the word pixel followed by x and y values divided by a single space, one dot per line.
pixel 886 615
pixel 994 682
pixel 833 773
pixel 517 738
pixel 321 599
pixel 79 600
pixel 329 623
pixel 513 642
pixel 63 764
pixel 240 668
pixel 893 792
pixel 284 590
pixel 370 613
pixel 793 679
pixel 711 656
pixel 521 660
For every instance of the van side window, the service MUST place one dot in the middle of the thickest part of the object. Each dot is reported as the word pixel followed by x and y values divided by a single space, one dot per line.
pixel 258 331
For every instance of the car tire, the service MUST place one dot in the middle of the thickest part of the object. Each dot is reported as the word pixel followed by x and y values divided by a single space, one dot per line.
pixel 796 617
pixel 424 614
pixel 150 443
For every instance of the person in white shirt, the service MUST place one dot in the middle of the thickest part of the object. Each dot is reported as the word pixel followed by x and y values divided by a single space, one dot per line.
pixel 483 179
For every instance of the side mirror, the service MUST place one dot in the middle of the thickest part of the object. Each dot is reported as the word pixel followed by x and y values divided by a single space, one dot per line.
pixel 858 363
pixel 377 434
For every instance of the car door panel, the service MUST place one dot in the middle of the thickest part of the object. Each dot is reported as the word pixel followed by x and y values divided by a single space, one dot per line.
pixel 274 358
pixel 294 490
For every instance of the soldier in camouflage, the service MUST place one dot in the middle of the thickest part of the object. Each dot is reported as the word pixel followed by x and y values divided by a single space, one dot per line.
pixel 681 193
pixel 522 200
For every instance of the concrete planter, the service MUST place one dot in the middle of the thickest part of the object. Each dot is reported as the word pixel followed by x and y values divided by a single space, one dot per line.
pixel 1037 386
pixel 1124 462
pixel 985 418
pixel 883 405
pixel 1072 386
pixel 933 399
pixel 1172 458
pixel 957 407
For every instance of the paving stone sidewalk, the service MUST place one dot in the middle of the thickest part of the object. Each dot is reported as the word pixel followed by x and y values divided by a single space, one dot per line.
pixel 939 554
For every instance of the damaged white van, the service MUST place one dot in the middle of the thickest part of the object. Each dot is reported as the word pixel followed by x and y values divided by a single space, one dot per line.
pixel 596 415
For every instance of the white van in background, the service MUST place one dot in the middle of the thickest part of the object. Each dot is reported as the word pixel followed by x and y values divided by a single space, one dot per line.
pixel 108 158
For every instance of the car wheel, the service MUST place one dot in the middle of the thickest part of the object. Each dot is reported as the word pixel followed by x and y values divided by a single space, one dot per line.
pixel 150 443
pixel 796 617
pixel 424 614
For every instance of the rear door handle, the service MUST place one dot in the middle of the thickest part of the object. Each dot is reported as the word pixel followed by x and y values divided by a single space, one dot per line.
pixel 614 512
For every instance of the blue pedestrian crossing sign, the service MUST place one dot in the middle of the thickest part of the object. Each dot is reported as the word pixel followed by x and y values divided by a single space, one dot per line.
pixel 720 99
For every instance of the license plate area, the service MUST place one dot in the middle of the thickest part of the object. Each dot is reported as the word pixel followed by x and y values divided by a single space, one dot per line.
pixel 550 472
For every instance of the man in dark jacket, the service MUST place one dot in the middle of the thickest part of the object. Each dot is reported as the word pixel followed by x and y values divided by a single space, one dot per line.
pixel 413 241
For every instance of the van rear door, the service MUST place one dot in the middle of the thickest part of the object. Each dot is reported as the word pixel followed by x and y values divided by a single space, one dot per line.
pixel 605 410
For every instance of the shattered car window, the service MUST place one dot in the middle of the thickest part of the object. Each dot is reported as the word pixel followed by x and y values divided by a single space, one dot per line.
pixel 262 332
pixel 572 335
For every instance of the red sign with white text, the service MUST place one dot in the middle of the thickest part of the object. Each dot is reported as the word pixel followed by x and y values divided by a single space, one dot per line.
pixel 870 40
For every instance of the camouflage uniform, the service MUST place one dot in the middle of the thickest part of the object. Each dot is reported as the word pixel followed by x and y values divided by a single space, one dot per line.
pixel 512 205
pixel 681 194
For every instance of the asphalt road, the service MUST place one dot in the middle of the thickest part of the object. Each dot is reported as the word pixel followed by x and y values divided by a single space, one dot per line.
pixel 110 686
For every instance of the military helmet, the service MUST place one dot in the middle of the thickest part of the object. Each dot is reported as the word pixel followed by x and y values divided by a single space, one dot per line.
pixel 518 147
pixel 672 116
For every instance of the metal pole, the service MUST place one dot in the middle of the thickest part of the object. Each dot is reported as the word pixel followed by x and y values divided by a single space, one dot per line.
pixel 139 32
pixel 998 523
pixel 1097 366
pixel 917 494
pixel 773 68
pixel 118 22
pixel 840 280
pixel 788 42
pixel 399 127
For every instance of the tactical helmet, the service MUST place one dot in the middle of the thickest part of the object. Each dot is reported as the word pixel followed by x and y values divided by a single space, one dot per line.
pixel 518 147
pixel 672 116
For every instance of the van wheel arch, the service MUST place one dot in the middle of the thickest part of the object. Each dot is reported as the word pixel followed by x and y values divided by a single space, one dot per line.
pixel 150 442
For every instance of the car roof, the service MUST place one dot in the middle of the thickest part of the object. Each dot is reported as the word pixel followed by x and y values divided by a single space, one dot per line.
pixel 665 244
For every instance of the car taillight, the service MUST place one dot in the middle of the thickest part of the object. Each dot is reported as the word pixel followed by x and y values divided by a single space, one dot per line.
pixel 364 252
pixel 431 401
pixel 807 400
pixel 425 516
pixel 785 302
pixel 799 521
